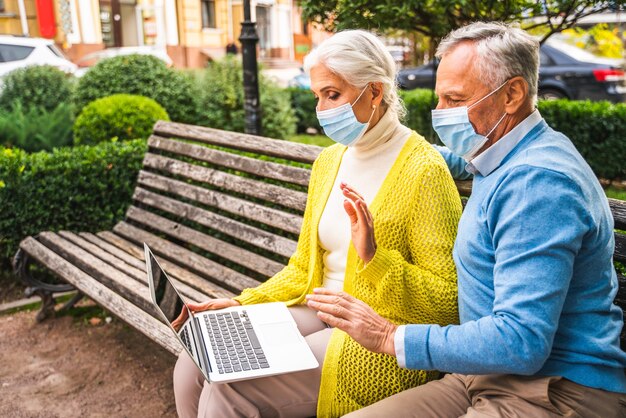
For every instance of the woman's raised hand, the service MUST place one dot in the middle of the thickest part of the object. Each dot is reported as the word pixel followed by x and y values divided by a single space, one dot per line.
pixel 213 304
pixel 361 223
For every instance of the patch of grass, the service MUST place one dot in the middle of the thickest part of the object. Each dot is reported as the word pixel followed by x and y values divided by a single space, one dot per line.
pixel 319 140
pixel 615 193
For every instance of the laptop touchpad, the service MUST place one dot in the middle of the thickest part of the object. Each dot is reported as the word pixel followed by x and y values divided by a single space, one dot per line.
pixel 279 333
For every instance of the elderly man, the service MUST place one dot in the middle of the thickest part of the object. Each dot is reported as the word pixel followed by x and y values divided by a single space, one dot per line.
pixel 539 332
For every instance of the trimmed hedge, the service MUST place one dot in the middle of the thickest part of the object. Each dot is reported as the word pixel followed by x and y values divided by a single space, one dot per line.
pixel 598 129
pixel 121 116
pixel 142 75
pixel 81 188
pixel 41 86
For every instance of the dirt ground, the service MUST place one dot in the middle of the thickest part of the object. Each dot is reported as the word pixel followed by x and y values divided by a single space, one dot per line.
pixel 81 365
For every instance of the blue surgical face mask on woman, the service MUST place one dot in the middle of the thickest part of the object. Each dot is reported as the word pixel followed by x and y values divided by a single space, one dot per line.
pixel 456 131
pixel 340 123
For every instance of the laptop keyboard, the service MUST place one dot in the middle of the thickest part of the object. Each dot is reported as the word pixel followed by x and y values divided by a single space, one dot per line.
pixel 184 335
pixel 235 344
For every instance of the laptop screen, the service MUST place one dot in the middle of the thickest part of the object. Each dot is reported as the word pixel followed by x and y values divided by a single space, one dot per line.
pixel 166 296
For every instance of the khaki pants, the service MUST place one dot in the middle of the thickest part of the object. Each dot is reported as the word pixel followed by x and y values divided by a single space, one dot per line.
pixel 499 396
pixel 286 395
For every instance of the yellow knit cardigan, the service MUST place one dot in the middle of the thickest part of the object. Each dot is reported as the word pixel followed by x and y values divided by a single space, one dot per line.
pixel 410 280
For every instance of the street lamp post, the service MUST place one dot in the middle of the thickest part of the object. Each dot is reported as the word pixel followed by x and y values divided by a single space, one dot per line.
pixel 249 39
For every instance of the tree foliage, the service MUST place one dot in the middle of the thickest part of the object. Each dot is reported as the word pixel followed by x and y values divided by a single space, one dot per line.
pixel 435 18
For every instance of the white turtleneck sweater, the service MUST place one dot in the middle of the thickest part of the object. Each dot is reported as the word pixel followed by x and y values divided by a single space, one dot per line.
pixel 364 166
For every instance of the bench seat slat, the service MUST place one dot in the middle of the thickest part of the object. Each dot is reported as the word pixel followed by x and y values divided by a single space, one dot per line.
pixel 109 276
pixel 206 242
pixel 252 235
pixel 239 141
pixel 273 217
pixel 138 274
pixel 204 286
pixel 102 295
pixel 292 199
pixel 228 160
pixel 112 249
pixel 224 276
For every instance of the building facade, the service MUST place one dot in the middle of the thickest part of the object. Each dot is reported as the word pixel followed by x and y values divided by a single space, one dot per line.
pixel 192 31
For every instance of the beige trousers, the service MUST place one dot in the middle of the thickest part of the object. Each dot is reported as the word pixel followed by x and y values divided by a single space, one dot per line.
pixel 499 396
pixel 286 395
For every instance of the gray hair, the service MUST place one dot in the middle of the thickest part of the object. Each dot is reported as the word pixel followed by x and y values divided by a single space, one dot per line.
pixel 504 51
pixel 360 58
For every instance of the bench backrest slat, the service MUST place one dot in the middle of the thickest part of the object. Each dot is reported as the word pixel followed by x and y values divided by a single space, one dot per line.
pixel 236 229
pixel 242 142
pixel 286 221
pixel 269 192
pixel 205 242
pixel 618 208
pixel 268 169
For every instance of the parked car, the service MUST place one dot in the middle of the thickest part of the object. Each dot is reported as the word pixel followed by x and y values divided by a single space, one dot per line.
pixel 18 52
pixel 565 71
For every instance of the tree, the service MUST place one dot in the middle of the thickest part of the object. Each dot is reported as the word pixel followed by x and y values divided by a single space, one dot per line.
pixel 435 18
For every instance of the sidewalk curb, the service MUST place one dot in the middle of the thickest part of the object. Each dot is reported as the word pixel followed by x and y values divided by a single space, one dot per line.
pixel 18 304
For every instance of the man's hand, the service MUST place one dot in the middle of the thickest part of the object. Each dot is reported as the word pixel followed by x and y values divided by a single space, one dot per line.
pixel 213 304
pixel 338 309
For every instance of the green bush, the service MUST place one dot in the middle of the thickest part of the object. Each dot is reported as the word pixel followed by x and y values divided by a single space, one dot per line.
pixel 222 97
pixel 81 188
pixel 36 129
pixel 303 103
pixel 141 75
pixel 121 116
pixel 419 103
pixel 596 128
pixel 40 86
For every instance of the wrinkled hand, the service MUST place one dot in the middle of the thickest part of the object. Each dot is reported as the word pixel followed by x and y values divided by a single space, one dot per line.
pixel 358 320
pixel 361 223
pixel 213 304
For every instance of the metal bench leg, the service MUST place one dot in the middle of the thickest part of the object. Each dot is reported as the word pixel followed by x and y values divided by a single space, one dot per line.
pixel 44 290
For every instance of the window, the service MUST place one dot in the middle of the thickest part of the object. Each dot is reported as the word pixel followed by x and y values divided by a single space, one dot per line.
pixel 10 53
pixel 208 13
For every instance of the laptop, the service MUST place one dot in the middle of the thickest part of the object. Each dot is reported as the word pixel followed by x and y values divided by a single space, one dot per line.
pixel 235 343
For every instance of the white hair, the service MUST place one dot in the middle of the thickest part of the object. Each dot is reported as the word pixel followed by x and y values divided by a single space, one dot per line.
pixel 360 58
pixel 504 51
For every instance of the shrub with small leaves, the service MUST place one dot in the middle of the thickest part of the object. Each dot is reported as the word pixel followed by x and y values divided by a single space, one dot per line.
pixel 35 128
pixel 41 86
pixel 222 98
pixel 304 103
pixel 121 116
pixel 142 75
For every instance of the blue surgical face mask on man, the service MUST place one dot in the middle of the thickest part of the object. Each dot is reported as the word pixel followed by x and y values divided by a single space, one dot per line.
pixel 340 123
pixel 457 132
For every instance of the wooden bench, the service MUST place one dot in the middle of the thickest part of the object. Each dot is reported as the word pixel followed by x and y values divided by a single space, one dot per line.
pixel 222 212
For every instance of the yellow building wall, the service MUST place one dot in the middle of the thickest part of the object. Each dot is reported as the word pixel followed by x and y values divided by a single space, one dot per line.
pixel 13 25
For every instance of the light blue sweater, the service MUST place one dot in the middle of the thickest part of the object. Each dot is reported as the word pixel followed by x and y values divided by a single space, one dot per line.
pixel 535 272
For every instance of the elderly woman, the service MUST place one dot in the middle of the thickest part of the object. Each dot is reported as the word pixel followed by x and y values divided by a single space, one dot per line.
pixel 405 272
